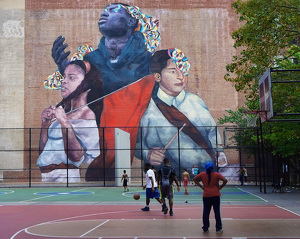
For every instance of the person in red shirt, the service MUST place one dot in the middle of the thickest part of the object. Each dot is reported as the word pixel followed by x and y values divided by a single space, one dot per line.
pixel 211 195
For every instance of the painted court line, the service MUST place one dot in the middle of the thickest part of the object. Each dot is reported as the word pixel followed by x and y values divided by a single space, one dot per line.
pixel 288 210
pixel 33 199
pixel 67 218
pixel 94 228
pixel 27 230
pixel 252 194
pixel 160 236
pixel 6 191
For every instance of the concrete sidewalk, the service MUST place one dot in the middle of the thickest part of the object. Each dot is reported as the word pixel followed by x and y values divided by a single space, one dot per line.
pixel 288 199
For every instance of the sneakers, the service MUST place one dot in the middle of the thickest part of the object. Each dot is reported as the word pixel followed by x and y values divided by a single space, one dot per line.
pixel 145 209
pixel 205 232
pixel 166 210
pixel 219 231
pixel 171 212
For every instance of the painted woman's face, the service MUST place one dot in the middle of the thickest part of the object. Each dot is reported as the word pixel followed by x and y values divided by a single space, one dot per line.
pixel 73 77
pixel 172 80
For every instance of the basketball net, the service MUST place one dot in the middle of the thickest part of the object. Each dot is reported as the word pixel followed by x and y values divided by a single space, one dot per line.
pixel 251 117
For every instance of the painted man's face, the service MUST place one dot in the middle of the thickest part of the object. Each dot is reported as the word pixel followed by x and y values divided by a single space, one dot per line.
pixel 172 79
pixel 113 22
pixel 73 76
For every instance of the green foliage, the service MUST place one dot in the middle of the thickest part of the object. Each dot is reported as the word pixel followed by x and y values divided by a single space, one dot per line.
pixel 268 37
pixel 268 29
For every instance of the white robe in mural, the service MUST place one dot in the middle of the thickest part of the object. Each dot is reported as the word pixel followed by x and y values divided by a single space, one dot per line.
pixel 157 131
pixel 87 133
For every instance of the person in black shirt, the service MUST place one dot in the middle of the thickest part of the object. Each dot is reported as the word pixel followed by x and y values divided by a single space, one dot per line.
pixel 166 176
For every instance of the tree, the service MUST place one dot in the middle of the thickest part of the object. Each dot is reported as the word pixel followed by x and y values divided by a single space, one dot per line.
pixel 268 37
pixel 269 28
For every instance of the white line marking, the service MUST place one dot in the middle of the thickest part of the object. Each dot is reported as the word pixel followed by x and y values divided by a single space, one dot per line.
pixel 51 195
pixel 4 192
pixel 288 210
pixel 184 208
pixel 17 233
pixel 68 218
pixel 94 228
pixel 36 198
pixel 252 194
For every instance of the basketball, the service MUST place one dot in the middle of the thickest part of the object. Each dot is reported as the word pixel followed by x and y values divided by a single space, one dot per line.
pixel 136 196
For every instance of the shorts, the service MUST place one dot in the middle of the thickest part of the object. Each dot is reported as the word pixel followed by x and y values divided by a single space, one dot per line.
pixel 125 183
pixel 185 182
pixel 166 191
pixel 150 194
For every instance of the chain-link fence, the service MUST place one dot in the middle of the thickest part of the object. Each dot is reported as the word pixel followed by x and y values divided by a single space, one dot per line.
pixel 30 160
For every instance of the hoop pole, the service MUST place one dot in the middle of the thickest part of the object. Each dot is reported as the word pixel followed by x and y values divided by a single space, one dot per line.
pixel 263 155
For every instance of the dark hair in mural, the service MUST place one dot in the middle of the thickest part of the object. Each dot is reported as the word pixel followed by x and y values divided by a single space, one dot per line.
pixel 92 81
pixel 159 61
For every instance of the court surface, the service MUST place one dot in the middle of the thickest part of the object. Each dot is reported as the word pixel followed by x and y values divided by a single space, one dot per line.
pixel 36 213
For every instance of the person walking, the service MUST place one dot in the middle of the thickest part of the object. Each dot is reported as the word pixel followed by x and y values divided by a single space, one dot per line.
pixel 186 178
pixel 211 195
pixel 151 187
pixel 165 178
pixel 125 179
pixel 245 174
pixel 241 172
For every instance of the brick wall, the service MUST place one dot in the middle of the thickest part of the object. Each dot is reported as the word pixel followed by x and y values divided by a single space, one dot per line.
pixel 201 28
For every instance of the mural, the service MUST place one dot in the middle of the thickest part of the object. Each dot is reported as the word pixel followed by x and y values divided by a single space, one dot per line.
pixel 122 58
pixel 172 107
pixel 69 134
pixel 140 84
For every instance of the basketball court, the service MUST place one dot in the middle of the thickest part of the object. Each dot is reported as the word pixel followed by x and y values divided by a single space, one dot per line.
pixel 111 213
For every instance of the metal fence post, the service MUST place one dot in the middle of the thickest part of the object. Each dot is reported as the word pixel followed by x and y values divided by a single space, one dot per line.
pixel 29 158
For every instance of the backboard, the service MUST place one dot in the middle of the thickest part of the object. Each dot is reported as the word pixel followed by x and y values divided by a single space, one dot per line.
pixel 265 96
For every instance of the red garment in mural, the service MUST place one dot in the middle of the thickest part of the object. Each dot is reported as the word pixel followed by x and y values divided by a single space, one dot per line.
pixel 123 110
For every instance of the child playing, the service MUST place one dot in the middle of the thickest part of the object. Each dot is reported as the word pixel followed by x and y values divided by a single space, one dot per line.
pixel 125 179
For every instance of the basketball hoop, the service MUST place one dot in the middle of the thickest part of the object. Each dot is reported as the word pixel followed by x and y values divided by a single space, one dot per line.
pixel 251 117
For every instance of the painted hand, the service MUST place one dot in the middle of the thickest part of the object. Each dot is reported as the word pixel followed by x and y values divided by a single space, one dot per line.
pixel 47 115
pixel 156 156
pixel 61 116
pixel 59 55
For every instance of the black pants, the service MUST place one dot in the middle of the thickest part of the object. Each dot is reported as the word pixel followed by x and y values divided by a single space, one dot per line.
pixel 242 179
pixel 209 202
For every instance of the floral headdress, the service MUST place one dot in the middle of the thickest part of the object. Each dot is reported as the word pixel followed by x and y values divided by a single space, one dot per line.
pixel 147 25
pixel 181 61
pixel 54 81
